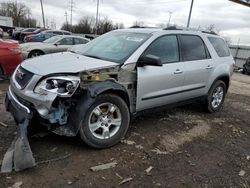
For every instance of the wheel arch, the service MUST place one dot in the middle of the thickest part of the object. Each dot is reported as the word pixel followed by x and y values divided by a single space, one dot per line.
pixel 225 78
pixel 33 50
pixel 109 87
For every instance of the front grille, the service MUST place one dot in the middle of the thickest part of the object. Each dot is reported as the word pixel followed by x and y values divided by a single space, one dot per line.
pixel 23 77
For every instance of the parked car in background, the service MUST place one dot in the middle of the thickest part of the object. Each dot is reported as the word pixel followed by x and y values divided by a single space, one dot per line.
pixel 59 43
pixel 10 57
pixel 59 32
pixel 16 33
pixel 246 67
pixel 1 33
pixel 30 31
pixel 40 37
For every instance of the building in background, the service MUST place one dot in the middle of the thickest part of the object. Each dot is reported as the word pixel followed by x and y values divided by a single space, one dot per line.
pixel 240 53
pixel 6 23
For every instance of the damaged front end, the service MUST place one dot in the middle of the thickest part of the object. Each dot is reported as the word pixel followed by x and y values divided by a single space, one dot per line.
pixel 57 101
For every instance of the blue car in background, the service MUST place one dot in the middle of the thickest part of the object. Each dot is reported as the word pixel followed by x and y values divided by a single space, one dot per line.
pixel 38 37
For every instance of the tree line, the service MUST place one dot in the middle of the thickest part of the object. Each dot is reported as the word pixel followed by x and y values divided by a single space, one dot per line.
pixel 20 13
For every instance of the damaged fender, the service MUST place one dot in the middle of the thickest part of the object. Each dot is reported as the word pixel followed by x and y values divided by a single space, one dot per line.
pixel 88 98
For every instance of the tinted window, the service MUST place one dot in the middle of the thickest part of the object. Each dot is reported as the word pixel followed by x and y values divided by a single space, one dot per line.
pixel 192 48
pixel 166 48
pixel 66 41
pixel 219 46
pixel 57 32
pixel 80 41
pixel 66 33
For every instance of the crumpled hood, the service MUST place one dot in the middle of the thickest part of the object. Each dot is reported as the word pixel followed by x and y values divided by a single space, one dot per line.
pixel 65 62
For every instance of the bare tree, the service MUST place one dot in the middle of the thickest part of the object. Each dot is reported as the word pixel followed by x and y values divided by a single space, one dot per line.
pixel 19 12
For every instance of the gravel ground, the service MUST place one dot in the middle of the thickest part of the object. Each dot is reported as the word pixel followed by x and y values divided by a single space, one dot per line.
pixel 180 147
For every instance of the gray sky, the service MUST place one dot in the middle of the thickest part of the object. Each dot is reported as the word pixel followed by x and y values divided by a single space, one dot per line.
pixel 231 19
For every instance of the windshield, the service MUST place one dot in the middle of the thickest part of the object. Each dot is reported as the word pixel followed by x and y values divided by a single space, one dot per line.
pixel 114 46
pixel 52 39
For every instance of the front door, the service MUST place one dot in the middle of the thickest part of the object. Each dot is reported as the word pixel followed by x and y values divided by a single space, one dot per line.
pixel 162 85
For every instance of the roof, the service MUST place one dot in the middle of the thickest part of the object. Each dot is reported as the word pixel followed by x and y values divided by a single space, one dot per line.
pixel 168 30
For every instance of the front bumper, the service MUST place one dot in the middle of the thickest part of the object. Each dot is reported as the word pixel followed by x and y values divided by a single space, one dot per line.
pixel 19 111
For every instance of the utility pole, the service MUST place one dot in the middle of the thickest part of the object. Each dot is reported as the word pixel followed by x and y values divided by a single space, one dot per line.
pixel 190 13
pixel 71 11
pixel 42 13
pixel 66 15
pixel 170 15
pixel 97 17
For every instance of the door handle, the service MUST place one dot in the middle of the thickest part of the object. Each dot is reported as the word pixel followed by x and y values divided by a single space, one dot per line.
pixel 178 71
pixel 209 67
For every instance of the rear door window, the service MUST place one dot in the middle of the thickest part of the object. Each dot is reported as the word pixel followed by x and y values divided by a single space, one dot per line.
pixel 220 46
pixel 80 41
pixel 193 48
pixel 66 41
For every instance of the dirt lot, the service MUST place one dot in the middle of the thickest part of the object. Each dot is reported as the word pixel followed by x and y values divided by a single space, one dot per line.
pixel 185 146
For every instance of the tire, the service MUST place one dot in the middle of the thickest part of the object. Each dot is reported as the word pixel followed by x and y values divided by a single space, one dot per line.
pixel 1 73
pixel 244 71
pixel 97 129
pixel 35 53
pixel 216 97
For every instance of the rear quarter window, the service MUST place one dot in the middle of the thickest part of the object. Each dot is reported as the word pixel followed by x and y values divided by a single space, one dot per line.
pixel 220 46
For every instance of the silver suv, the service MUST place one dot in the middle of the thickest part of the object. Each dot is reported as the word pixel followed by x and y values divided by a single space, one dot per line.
pixel 116 76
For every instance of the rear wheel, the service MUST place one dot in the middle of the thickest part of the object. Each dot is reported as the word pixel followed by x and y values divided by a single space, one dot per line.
pixel 35 53
pixel 216 96
pixel 105 122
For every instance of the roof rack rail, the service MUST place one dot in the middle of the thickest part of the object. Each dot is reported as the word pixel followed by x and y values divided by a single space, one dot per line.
pixel 209 32
pixel 143 27
pixel 172 28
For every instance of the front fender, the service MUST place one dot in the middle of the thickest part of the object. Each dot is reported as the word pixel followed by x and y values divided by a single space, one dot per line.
pixel 100 87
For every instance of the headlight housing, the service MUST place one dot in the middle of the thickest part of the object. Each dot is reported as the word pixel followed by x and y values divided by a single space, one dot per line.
pixel 63 86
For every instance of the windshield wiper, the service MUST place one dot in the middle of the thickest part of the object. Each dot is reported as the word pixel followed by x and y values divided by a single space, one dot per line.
pixel 93 56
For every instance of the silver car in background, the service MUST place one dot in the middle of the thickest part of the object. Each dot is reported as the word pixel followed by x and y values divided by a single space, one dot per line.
pixel 59 43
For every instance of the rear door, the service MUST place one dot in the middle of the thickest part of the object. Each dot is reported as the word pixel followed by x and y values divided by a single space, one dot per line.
pixel 157 86
pixel 198 66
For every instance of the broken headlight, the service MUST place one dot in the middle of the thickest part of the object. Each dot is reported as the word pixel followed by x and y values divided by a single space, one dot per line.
pixel 63 86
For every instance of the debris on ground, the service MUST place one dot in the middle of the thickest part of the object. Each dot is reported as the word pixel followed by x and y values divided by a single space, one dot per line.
pixel 126 181
pixel 129 142
pixel 159 152
pixel 148 170
pixel 3 124
pixel 70 182
pixel 19 155
pixel 118 175
pixel 103 166
pixel 248 157
pixel 139 147
pixel 242 173
pixel 17 184
pixel 53 149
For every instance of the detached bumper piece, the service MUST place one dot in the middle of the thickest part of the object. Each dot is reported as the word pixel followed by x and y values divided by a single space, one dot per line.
pixel 19 155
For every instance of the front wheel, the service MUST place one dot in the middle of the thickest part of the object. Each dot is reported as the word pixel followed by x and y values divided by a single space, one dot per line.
pixel 105 122
pixel 35 53
pixel 216 96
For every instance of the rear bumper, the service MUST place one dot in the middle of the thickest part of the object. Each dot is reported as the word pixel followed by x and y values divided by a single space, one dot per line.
pixel 19 111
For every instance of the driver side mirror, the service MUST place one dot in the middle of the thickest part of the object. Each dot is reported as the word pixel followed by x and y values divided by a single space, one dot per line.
pixel 149 59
